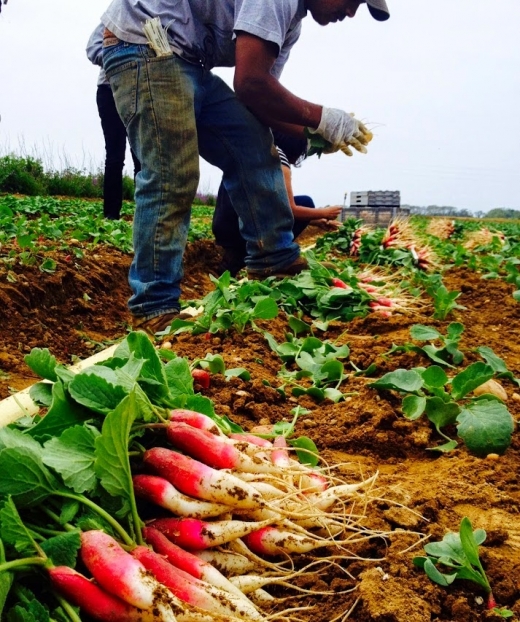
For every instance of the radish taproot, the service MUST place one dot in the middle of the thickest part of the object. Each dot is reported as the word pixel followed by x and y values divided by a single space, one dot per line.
pixel 195 535
pixel 201 377
pixel 194 564
pixel 335 282
pixel 195 419
pixel 198 480
pixel 159 491
pixel 195 591
pixel 216 451
pixel 122 575
pixel 274 541
pixel 94 601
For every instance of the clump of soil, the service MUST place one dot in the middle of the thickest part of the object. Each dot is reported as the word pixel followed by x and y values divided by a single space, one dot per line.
pixel 81 308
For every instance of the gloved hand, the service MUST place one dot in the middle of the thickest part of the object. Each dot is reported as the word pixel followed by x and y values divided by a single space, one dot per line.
pixel 342 130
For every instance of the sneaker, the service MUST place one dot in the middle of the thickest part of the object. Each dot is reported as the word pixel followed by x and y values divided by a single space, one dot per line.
pixel 297 266
pixel 156 324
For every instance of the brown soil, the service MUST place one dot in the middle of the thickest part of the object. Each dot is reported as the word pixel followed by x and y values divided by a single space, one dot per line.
pixel 81 308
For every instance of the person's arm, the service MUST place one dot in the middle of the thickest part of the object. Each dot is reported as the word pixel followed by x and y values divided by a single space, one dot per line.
pixel 315 214
pixel 260 90
pixel 95 46
pixel 262 93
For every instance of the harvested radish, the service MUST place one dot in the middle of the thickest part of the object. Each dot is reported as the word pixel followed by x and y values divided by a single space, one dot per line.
pixel 196 565
pixel 196 535
pixel 280 456
pixel 227 562
pixel 251 438
pixel 335 282
pixel 195 419
pixel 274 541
pixel 201 481
pixel 219 452
pixel 123 576
pixel 194 591
pixel 201 377
pixel 94 601
pixel 159 491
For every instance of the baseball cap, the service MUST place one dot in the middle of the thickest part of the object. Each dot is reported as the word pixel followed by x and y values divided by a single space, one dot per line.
pixel 378 9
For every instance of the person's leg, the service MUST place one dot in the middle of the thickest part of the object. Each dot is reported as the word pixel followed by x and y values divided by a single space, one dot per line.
pixel 300 225
pixel 226 230
pixel 233 139
pixel 115 145
pixel 155 99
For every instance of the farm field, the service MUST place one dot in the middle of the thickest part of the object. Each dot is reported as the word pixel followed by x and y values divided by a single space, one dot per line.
pixel 65 290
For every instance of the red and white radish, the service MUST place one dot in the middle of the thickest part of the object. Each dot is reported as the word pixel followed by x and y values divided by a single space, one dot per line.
pixel 95 602
pixel 159 491
pixel 195 535
pixel 196 479
pixel 194 591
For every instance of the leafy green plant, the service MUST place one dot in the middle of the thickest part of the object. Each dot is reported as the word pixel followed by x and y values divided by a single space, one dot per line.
pixel 459 553
pixel 444 301
pixel 317 361
pixel 484 423
pixel 231 305
pixel 214 363
pixel 448 354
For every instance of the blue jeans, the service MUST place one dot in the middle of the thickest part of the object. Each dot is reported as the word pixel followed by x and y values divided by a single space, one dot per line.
pixel 173 111
pixel 226 229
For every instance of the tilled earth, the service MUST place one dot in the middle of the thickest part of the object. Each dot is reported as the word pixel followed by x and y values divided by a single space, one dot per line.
pixel 81 308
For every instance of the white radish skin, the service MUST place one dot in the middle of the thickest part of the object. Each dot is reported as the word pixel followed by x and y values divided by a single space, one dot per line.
pixel 227 563
pixel 268 491
pixel 195 479
pixel 120 574
pixel 194 591
pixel 326 499
pixel 159 491
pixel 261 597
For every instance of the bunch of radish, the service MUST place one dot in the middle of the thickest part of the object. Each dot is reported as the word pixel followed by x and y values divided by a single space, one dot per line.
pixel 387 296
pixel 483 237
pixel 355 244
pixel 233 512
pixel 441 228
pixel 401 235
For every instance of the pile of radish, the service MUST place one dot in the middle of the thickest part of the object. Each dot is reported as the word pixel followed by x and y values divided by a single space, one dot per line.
pixel 227 516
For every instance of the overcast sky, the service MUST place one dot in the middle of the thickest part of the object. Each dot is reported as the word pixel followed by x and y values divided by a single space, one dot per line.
pixel 439 82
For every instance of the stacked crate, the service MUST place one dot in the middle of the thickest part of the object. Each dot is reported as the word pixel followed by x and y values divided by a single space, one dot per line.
pixel 375 207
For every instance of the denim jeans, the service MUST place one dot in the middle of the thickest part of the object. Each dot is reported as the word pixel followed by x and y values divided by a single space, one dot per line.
pixel 173 111
pixel 226 228
pixel 114 133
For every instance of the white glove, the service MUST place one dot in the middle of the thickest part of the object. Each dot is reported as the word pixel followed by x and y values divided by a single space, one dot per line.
pixel 341 129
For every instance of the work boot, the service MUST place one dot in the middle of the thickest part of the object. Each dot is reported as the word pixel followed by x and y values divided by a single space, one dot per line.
pixel 156 324
pixel 297 266
pixel 232 261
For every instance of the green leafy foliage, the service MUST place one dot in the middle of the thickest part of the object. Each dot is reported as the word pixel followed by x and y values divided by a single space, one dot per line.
pixel 459 553
pixel 483 423
pixel 447 354
pixel 316 361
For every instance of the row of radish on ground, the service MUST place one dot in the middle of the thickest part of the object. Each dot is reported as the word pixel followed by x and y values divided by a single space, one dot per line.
pixel 430 245
pixel 247 495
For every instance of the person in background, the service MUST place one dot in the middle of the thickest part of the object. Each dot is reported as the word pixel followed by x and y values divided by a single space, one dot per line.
pixel 158 56
pixel 114 133
pixel 226 228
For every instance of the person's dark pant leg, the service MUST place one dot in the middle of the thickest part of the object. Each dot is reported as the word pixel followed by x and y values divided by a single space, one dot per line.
pixel 115 147
pixel 226 230
pixel 300 225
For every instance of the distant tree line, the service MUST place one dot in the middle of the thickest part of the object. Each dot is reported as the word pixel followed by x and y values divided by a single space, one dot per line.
pixel 448 210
